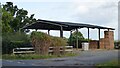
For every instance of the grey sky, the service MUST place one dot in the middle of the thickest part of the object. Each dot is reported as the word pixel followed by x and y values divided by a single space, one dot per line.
pixel 99 12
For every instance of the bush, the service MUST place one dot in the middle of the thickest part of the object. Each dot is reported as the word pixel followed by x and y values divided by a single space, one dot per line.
pixel 57 42
pixel 41 42
pixel 13 40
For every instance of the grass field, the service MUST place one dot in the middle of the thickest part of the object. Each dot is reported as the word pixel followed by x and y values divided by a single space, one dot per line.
pixel 35 56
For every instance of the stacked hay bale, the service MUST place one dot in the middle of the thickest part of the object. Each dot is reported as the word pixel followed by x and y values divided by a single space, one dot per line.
pixel 93 44
pixel 105 43
pixel 102 43
pixel 109 39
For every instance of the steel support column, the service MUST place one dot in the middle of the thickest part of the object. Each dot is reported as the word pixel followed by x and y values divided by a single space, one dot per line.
pixel 99 38
pixel 70 37
pixel 108 29
pixel 48 32
pixel 61 31
pixel 36 29
pixel 77 39
pixel 88 34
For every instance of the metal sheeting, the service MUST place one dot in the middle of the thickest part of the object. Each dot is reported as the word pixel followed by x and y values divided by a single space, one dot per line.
pixel 56 25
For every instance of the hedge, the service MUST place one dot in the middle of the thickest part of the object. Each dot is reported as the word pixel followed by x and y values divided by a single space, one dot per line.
pixel 13 40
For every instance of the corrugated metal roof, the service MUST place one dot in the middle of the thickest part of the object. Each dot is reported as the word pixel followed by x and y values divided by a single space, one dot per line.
pixel 55 25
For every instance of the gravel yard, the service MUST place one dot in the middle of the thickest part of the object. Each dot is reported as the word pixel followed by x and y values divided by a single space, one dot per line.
pixel 86 58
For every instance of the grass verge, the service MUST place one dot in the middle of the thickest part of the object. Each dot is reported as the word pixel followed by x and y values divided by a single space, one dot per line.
pixel 34 56
pixel 110 64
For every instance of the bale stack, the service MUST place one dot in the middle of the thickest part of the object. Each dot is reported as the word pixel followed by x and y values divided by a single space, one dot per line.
pixel 102 43
pixel 105 43
pixel 109 39
pixel 93 44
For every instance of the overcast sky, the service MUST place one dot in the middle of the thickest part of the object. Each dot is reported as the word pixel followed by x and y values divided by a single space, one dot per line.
pixel 98 12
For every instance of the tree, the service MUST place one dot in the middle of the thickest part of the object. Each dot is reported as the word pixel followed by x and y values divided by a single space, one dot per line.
pixel 6 18
pixel 0 20
pixel 10 8
pixel 73 39
pixel 0 28
pixel 17 17
pixel 73 36
pixel 0 15
pixel 13 19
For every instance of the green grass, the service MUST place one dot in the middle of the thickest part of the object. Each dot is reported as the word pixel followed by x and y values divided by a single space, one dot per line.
pixel 109 64
pixel 35 56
